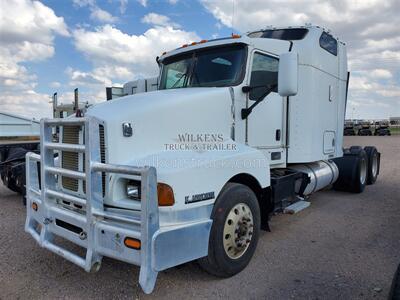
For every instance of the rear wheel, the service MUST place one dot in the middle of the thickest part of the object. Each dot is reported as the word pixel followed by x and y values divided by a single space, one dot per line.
pixel 360 173
pixel 9 182
pixel 373 164
pixel 234 233
pixel 353 170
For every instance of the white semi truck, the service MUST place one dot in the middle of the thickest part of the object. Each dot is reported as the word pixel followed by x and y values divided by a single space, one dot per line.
pixel 239 128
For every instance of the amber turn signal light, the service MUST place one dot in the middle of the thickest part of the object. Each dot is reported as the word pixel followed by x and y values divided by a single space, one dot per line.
pixel 132 243
pixel 165 195
pixel 34 206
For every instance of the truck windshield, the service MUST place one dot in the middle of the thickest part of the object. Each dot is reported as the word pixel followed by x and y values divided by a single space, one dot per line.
pixel 216 67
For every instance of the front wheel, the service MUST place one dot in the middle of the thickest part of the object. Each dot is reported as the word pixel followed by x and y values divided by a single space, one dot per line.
pixel 234 233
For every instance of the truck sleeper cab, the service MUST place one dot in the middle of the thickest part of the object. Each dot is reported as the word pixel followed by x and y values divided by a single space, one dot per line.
pixel 239 127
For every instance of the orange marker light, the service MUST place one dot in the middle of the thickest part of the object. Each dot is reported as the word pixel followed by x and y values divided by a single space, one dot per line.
pixel 165 195
pixel 203 41
pixel 132 243
pixel 236 36
pixel 185 45
pixel 34 206
pixel 194 43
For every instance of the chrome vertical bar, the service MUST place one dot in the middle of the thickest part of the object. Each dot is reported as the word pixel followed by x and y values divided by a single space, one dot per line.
pixel 47 179
pixel 94 197
pixel 150 224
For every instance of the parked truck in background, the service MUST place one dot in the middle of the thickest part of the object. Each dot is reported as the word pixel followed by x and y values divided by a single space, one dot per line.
pixel 238 128
pixel 382 128
pixel 18 135
pixel 349 128
pixel 365 128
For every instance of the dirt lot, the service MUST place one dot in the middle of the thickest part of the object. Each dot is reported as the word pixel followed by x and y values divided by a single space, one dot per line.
pixel 343 246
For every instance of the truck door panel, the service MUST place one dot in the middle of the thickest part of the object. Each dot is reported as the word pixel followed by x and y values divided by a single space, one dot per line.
pixel 265 123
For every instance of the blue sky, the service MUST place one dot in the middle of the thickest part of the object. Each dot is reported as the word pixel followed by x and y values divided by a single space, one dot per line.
pixel 191 15
pixel 54 45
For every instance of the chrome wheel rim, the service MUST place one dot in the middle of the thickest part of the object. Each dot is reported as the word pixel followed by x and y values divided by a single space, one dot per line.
pixel 374 165
pixel 363 171
pixel 238 231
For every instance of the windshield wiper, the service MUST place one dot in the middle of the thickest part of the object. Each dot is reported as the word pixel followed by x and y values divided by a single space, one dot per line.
pixel 179 79
pixel 247 111
pixel 188 73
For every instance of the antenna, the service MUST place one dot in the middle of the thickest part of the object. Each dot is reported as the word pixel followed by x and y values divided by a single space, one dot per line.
pixel 55 104
pixel 76 100
pixel 233 15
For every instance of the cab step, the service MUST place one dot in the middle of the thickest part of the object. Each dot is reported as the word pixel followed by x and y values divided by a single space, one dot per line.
pixel 296 207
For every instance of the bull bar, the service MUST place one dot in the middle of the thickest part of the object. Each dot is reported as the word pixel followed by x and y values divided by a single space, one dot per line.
pixel 102 230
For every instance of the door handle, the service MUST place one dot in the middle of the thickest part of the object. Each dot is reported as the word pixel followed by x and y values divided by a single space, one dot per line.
pixel 278 135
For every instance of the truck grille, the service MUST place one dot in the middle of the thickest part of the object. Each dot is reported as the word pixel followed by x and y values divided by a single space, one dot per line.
pixel 102 157
pixel 70 160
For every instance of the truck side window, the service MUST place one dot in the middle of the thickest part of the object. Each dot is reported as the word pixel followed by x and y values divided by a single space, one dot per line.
pixel 264 72
pixel 327 42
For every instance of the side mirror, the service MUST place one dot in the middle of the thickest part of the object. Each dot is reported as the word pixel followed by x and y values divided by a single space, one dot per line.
pixel 288 74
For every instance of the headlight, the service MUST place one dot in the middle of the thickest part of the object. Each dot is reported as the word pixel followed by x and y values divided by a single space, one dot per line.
pixel 133 189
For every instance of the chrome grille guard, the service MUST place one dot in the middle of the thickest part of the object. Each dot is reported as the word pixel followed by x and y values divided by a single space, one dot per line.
pixel 98 237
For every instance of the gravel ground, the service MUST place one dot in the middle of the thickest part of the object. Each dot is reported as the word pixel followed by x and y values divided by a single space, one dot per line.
pixel 343 246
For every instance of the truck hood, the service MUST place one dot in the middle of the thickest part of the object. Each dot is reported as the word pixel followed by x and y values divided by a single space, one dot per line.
pixel 159 119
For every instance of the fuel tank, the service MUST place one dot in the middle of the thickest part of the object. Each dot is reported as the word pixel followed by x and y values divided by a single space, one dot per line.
pixel 321 173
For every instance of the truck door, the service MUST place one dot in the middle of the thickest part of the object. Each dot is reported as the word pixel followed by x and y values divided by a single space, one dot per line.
pixel 265 124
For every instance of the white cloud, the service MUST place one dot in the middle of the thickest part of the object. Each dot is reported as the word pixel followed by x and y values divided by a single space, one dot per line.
pixel 55 84
pixel 122 6
pixel 83 3
pixel 119 57
pixel 369 27
pixel 26 103
pixel 116 54
pixel 27 30
pixel 173 2
pixel 79 78
pixel 142 2
pixel 101 15
pixel 158 20
pixel 33 22
pixel 380 29
pixel 381 73
pixel 98 14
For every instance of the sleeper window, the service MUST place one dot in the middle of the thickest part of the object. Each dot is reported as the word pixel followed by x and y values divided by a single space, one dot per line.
pixel 327 42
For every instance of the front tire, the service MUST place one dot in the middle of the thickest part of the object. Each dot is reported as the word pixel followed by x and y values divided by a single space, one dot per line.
pixel 234 233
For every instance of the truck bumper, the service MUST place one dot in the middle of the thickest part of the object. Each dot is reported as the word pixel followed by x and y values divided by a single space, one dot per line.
pixel 101 232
